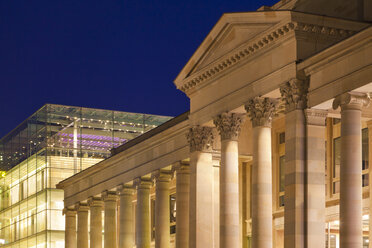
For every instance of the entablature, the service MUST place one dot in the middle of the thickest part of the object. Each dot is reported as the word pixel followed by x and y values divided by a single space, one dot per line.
pixel 229 45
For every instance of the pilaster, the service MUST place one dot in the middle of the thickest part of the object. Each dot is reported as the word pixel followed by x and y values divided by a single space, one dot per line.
pixel 315 177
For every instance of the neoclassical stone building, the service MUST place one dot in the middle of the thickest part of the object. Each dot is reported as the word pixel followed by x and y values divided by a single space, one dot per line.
pixel 273 153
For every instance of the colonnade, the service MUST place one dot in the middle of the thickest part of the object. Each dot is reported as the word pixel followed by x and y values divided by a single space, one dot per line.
pixel 304 214
pixel 80 234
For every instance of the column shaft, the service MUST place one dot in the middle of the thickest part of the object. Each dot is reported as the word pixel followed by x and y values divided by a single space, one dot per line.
pixel 110 205
pixel 95 223
pixel 262 188
pixel 229 125
pixel 126 218
pixel 201 190
pixel 351 233
pixel 82 229
pixel 369 124
pixel 143 221
pixel 70 232
pixel 182 203
pixel 201 187
pixel 162 211
pixel 351 225
pixel 229 194
pixel 261 111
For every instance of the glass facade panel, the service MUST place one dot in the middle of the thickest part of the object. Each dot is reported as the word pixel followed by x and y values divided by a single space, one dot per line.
pixel 53 144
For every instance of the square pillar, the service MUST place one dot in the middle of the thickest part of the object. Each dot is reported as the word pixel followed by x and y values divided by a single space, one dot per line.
pixel 315 178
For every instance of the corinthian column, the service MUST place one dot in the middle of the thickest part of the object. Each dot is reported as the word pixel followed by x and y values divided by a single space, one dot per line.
pixel 351 232
pixel 162 209
pixel 229 125
pixel 201 187
pixel 182 204
pixel 126 216
pixel 70 233
pixel 82 225
pixel 96 205
pixel 110 202
pixel 294 95
pixel 261 111
pixel 143 224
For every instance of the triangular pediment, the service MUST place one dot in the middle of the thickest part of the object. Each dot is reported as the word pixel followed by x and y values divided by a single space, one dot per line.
pixel 234 36
pixel 232 31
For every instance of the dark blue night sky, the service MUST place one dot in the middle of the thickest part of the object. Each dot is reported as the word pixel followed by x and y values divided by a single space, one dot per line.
pixel 120 55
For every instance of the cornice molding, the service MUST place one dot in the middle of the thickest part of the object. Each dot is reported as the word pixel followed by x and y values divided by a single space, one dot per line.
pixel 243 53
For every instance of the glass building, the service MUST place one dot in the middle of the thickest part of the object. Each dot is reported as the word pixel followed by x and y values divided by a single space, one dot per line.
pixel 55 143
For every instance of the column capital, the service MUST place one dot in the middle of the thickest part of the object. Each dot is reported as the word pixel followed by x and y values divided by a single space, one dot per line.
pixel 261 110
pixel 229 125
pixel 125 189
pixel 315 117
pixel 162 176
pixel 95 202
pixel 142 183
pixel 181 167
pixel 294 94
pixel 69 212
pixel 351 100
pixel 81 207
pixel 200 139
pixel 369 125
pixel 109 196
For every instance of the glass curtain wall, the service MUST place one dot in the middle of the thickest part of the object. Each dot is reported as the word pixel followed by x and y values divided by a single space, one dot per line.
pixel 52 145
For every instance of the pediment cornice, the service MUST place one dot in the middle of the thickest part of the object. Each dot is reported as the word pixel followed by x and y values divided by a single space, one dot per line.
pixel 331 31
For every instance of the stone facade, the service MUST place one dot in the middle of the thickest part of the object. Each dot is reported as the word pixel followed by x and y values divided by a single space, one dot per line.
pixel 270 154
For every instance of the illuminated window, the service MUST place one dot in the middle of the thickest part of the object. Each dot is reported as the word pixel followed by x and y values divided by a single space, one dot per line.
pixel 281 180
pixel 336 165
pixel 281 168
pixel 365 157
pixel 173 211
pixel 337 161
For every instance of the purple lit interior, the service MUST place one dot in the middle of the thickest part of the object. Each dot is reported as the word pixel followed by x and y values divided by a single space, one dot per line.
pixel 88 140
